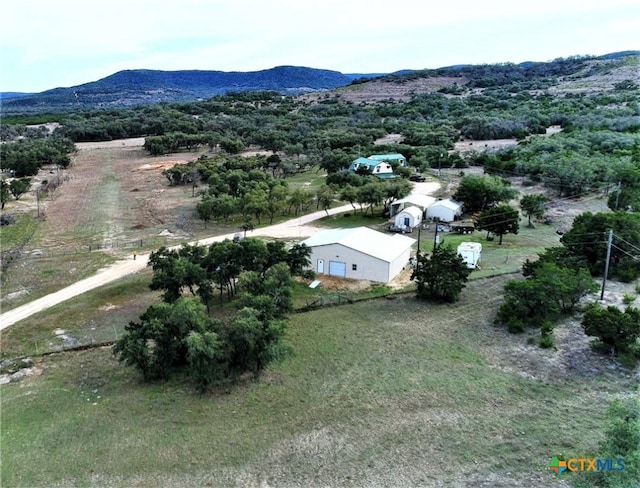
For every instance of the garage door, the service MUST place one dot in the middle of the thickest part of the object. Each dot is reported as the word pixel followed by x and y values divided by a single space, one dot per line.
pixel 336 268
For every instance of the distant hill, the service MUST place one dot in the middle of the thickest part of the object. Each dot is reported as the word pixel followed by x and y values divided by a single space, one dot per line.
pixel 135 87
pixel 10 95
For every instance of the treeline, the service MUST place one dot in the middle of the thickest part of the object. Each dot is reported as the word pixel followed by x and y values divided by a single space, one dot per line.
pixel 26 156
pixel 182 336
pixel 429 123
pixel 573 161
pixel 248 186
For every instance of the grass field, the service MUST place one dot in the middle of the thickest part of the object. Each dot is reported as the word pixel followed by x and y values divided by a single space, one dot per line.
pixel 380 393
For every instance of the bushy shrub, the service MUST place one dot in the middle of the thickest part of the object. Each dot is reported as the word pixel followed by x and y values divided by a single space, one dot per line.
pixel 7 219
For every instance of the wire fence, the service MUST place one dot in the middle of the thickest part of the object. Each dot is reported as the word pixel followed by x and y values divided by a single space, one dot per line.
pixel 8 256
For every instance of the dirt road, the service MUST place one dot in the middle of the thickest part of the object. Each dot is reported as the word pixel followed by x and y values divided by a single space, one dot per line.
pixel 294 228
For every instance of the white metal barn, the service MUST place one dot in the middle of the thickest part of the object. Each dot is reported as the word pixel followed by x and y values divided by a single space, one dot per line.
pixel 446 210
pixel 408 219
pixel 359 253
pixel 421 201
pixel 471 253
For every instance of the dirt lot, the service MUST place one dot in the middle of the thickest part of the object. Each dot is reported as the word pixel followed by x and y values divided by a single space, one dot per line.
pixel 377 91
pixel 114 191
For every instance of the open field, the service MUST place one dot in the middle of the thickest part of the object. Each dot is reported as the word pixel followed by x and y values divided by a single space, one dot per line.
pixel 381 393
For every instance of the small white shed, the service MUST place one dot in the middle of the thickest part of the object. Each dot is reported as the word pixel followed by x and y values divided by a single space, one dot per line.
pixel 470 252
pixel 409 218
pixel 446 210
pixel 421 201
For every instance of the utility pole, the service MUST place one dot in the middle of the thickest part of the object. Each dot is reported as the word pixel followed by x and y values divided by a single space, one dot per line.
pixel 435 237
pixel 606 264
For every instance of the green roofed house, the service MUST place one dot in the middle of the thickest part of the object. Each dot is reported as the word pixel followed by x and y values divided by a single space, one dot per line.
pixel 397 158
pixel 381 169
pixel 380 165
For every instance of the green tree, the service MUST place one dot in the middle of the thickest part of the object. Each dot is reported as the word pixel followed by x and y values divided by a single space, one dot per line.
pixel 298 259
pixel 615 329
pixel 299 200
pixel 276 198
pixel 548 292
pixel 349 194
pixel 627 195
pixel 394 190
pixel 205 358
pixel 533 206
pixel 371 194
pixel 441 277
pixel 587 239
pixel 479 193
pixel 4 193
pixel 270 293
pixel 247 226
pixel 19 187
pixel 324 198
pixel 254 342
pixel 621 443
pixel 501 220
pixel 204 209
pixel 157 345
pixel 177 269
pixel 254 203
pixel 559 256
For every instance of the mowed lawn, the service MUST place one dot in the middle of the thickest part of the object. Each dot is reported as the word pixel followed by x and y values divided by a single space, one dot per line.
pixel 378 393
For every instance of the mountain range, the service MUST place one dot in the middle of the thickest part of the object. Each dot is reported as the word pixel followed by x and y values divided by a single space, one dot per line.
pixel 134 87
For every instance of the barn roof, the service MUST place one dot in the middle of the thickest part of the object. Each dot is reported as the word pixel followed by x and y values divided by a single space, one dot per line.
pixel 447 203
pixel 414 211
pixel 387 157
pixel 365 240
pixel 423 201
pixel 369 163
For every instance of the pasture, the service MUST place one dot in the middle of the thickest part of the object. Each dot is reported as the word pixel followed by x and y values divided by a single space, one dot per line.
pixel 378 393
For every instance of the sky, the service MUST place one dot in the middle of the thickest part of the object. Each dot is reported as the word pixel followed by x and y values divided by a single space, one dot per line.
pixel 46 44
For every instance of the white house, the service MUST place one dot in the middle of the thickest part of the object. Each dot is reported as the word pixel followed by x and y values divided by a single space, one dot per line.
pixel 408 218
pixel 446 210
pixel 470 252
pixel 359 253
pixel 421 201
pixel 381 169
pixel 396 158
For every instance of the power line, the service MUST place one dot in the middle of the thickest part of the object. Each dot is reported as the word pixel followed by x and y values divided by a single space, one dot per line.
pixel 635 258
pixel 628 243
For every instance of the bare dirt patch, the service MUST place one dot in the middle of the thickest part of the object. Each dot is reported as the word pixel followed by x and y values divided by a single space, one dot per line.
pixel 118 143
pixel 573 356
pixel 380 90
pixel 114 191
pixel 334 283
